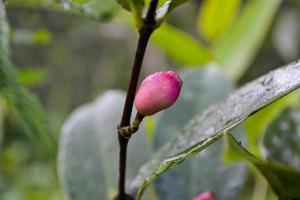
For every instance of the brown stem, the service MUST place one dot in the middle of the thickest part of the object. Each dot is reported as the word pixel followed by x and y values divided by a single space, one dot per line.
pixel 145 33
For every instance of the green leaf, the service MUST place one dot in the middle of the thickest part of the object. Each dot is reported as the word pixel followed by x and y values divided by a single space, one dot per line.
pixel 202 88
pixel 209 126
pixel 285 181
pixel 33 76
pixel 256 125
pixel 95 9
pixel 25 105
pixel 237 50
pixel 281 141
pixel 216 18
pixel 171 39
pixel 88 153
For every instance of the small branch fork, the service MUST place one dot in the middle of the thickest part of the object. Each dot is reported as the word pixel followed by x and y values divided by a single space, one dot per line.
pixel 125 130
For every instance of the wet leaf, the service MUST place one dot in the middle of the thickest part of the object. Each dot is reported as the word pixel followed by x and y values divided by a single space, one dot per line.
pixel 285 181
pixel 218 119
pixel 88 153
pixel 281 141
pixel 201 89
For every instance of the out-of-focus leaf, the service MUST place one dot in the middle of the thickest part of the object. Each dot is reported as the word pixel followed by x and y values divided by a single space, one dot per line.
pixel 201 89
pixel 33 76
pixel 88 153
pixel 149 126
pixel 180 46
pixel 285 181
pixel 208 127
pixel 30 3
pixel 2 116
pixel 281 141
pixel 257 124
pixel 20 100
pixel 100 10
pixel 167 7
pixel 216 17
pixel 4 42
pixel 136 7
pixel 237 50
pixel 40 36
pixel 286 34
pixel 96 9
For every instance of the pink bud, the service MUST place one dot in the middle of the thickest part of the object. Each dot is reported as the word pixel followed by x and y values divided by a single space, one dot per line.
pixel 206 196
pixel 157 92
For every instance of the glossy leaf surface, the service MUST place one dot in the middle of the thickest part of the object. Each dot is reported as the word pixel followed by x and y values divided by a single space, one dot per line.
pixel 218 119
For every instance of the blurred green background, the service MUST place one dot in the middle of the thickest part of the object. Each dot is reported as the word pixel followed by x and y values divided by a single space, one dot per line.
pixel 67 60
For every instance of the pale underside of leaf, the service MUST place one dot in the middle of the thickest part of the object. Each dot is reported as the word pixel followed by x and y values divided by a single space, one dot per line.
pixel 218 119
pixel 88 150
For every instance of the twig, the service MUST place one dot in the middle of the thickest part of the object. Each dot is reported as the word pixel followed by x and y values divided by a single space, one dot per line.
pixel 145 33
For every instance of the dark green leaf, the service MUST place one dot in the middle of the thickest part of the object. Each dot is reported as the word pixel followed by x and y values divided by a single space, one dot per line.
pixel 257 124
pixel 285 181
pixel 18 98
pixel 88 153
pixel 201 89
pixel 2 116
pixel 217 120
pixel 281 141
pixel 96 9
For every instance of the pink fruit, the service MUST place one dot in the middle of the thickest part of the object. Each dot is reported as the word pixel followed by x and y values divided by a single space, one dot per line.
pixel 157 92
